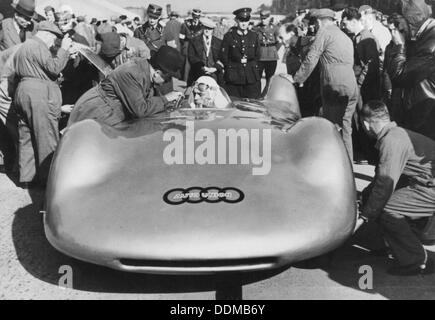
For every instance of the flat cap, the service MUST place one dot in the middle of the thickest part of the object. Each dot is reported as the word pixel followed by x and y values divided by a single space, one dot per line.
pixel 323 13
pixel 243 13
pixel 50 27
pixel 154 11
pixel 196 12
pixel 208 23
pixel 264 13
pixel 174 14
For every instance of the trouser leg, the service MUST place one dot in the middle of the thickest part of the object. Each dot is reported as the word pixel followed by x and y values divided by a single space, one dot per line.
pixel 403 242
pixel 38 104
pixel 347 128
pixel 26 155
pixel 46 131
pixel 251 91
pixel 339 109
pixel 407 203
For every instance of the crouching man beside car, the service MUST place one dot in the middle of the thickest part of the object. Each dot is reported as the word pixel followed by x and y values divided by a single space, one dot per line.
pixel 393 204
pixel 128 92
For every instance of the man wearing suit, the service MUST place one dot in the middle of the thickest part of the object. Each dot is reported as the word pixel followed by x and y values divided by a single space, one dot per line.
pixel 240 54
pixel 204 53
pixel 20 27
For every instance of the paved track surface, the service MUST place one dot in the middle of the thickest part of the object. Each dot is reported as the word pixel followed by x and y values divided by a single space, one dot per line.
pixel 29 268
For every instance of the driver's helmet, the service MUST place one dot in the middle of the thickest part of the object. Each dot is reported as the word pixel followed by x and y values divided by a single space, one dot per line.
pixel 206 93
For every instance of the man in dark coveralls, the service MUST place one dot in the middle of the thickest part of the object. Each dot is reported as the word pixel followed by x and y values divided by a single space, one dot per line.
pixel 403 189
pixel 38 101
pixel 128 92
pixel 333 49
pixel 240 53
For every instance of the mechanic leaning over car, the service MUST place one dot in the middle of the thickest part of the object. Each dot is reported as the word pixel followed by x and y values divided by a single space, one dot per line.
pixel 128 92
pixel 38 101
pixel 339 90
pixel 403 189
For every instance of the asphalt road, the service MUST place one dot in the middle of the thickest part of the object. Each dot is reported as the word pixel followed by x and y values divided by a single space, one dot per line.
pixel 29 268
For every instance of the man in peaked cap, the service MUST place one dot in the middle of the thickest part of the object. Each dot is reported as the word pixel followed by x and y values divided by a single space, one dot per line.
pixel 151 32
pixel 339 90
pixel 38 101
pixel 191 28
pixel 204 51
pixel 240 54
pixel 20 27
pixel 129 91
pixel 269 42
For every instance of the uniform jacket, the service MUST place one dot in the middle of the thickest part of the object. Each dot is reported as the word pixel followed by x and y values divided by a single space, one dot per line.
pixel 401 153
pixel 235 47
pixel 334 50
pixel 153 37
pixel 269 42
pixel 9 35
pixel 187 32
pixel 414 70
pixel 198 58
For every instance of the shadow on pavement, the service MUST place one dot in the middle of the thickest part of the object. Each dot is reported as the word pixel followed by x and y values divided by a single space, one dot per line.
pixel 347 266
pixel 42 261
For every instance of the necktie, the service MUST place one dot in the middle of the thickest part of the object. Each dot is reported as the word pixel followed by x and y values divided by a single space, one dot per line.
pixel 22 35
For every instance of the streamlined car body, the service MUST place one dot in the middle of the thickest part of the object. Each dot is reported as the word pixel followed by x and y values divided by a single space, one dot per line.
pixel 246 187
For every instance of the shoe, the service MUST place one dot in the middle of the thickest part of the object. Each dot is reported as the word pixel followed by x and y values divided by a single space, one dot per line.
pixel 413 269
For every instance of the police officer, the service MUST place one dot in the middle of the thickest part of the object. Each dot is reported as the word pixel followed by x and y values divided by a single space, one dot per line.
pixel 151 32
pixel 240 54
pixel 190 29
pixel 269 42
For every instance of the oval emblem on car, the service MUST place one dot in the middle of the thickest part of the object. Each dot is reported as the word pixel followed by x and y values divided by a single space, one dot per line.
pixel 196 195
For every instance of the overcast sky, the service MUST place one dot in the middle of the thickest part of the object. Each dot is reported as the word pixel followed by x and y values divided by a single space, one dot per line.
pixel 206 5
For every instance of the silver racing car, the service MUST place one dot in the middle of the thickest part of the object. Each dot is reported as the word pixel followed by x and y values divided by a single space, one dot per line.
pixel 236 186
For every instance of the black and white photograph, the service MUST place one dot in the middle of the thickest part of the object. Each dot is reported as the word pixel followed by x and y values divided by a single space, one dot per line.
pixel 235 152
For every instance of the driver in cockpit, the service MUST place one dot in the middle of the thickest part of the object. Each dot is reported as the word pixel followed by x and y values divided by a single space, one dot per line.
pixel 206 93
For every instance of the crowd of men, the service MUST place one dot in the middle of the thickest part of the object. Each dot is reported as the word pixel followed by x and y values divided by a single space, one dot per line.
pixel 370 74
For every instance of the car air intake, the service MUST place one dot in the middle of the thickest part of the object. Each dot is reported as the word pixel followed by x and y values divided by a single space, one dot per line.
pixel 201 264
